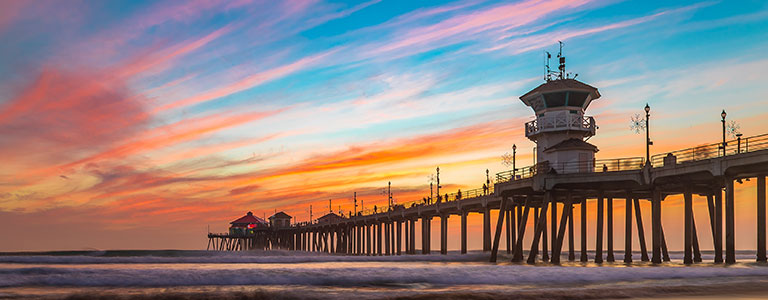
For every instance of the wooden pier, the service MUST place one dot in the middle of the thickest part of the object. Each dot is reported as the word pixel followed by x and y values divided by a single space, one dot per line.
pixel 541 191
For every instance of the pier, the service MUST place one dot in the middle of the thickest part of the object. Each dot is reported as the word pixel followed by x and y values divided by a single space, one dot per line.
pixel 566 177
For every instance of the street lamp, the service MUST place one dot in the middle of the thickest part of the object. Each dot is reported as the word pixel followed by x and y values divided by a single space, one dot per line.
pixel 648 141
pixel 514 169
pixel 438 183
pixel 723 114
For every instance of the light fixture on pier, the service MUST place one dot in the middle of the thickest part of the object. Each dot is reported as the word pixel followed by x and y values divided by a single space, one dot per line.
pixel 723 115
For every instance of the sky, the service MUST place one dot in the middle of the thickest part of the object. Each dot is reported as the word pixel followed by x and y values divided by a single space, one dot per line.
pixel 145 124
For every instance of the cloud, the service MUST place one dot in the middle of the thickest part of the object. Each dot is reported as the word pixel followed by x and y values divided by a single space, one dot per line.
pixel 469 26
pixel 247 82
pixel 64 113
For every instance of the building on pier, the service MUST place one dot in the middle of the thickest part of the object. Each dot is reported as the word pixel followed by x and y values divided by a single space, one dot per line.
pixel 246 225
pixel 329 218
pixel 280 220
pixel 560 126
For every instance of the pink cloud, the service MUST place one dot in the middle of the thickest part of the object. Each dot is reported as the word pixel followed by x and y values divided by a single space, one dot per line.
pixel 465 26
pixel 247 82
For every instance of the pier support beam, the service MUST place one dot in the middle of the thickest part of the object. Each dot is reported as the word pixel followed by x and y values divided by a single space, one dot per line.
pixel 538 230
pixel 378 238
pixel 499 225
pixel 553 224
pixel 628 229
pixel 558 242
pixel 664 249
pixel 656 226
pixel 425 235
pixel 517 255
pixel 761 218
pixel 487 229
pixel 507 227
pixel 609 208
pixel 464 232
pixel 688 236
pixel 719 225
pixel 584 257
pixel 412 228
pixel 444 234
pixel 571 250
pixel 711 210
pixel 641 230
pixel 511 225
pixel 399 237
pixel 730 244
pixel 387 235
pixel 695 240
pixel 599 232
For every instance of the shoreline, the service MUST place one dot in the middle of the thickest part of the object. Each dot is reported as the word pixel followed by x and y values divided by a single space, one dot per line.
pixel 748 287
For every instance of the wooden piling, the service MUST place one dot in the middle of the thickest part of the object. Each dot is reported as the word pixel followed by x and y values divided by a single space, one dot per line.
pixel 464 231
pixel 641 231
pixel 656 225
pixel 517 255
pixel 761 218
pixel 571 250
pixel 583 217
pixel 487 228
pixel 688 237
pixel 609 208
pixel 539 228
pixel 599 231
pixel 730 244
pixel 499 224
pixel 444 234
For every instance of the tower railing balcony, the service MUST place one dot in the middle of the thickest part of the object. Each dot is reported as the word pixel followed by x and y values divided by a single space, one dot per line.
pixel 561 122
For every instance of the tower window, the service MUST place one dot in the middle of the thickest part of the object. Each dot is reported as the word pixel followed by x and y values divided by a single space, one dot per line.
pixel 577 98
pixel 555 99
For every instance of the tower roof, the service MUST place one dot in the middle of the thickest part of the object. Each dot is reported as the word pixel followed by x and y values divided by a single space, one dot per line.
pixel 572 144
pixel 562 84
pixel 557 89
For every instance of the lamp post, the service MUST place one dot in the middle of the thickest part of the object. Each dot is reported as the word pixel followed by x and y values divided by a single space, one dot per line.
pixel 648 142
pixel 723 114
pixel 438 183
pixel 514 169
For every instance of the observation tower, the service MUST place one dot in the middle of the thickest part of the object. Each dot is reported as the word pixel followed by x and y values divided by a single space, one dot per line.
pixel 561 129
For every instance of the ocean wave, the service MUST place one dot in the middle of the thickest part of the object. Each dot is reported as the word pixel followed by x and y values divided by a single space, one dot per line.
pixel 267 257
pixel 397 274
pixel 233 258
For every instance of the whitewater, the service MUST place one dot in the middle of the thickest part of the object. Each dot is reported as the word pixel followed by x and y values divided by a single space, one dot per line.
pixel 283 274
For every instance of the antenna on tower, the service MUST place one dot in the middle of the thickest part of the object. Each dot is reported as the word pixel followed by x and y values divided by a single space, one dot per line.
pixel 561 60
pixel 330 207
pixel 547 71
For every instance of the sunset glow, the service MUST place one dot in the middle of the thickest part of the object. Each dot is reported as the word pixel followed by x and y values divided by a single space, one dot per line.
pixel 139 124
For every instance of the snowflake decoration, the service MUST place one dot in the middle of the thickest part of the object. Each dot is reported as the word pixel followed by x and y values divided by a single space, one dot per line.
pixel 431 178
pixel 507 159
pixel 637 124
pixel 733 129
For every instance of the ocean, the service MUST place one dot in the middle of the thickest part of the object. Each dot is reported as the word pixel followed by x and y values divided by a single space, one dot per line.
pixel 177 274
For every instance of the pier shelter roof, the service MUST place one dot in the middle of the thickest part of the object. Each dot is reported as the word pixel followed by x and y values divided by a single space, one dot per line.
pixel 249 218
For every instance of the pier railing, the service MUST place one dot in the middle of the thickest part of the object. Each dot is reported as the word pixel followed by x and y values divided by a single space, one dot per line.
pixel 702 152
pixel 559 122
pixel 736 146
pixel 519 173
pixel 600 165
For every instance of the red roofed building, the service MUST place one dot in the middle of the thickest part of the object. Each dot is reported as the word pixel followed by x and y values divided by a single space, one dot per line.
pixel 246 224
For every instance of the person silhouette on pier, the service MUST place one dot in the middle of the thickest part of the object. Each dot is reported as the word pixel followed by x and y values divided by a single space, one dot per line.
pixel 485 189
pixel 458 195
